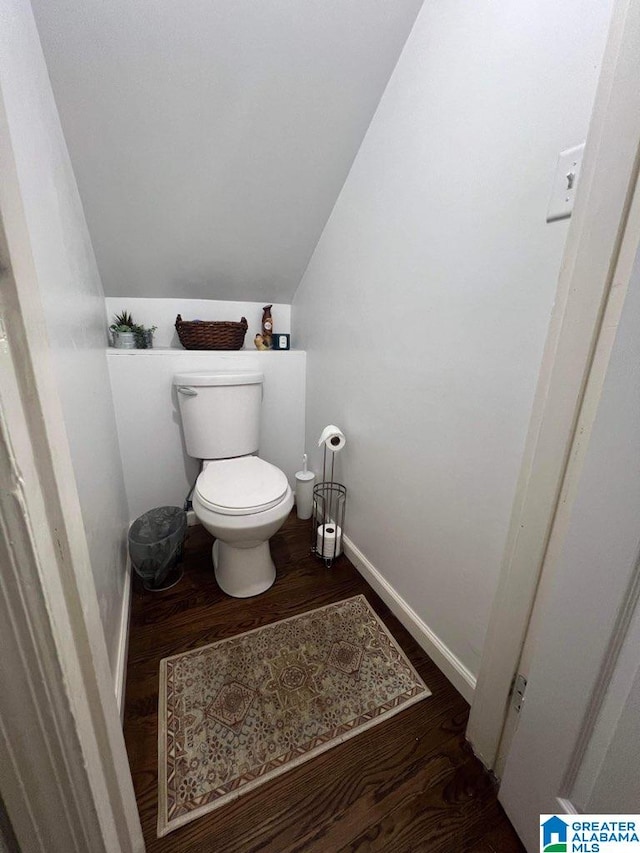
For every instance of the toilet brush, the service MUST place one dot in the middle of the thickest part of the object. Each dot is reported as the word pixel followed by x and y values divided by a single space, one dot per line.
pixel 304 490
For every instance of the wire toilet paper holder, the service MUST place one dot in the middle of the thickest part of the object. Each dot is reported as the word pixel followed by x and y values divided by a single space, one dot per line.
pixel 329 503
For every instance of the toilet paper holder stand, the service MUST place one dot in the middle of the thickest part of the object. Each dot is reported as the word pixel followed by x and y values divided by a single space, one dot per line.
pixel 329 503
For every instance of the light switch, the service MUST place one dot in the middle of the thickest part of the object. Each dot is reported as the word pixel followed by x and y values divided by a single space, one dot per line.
pixel 565 183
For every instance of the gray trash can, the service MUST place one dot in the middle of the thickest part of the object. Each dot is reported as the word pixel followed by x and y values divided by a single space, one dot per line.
pixel 155 546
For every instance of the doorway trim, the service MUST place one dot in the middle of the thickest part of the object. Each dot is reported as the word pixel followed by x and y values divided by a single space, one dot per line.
pixel 64 777
pixel 599 220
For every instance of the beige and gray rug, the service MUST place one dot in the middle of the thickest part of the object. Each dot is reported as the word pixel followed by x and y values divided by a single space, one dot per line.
pixel 234 714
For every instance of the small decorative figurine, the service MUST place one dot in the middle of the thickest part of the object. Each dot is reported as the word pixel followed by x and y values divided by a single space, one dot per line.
pixel 260 343
pixel 267 325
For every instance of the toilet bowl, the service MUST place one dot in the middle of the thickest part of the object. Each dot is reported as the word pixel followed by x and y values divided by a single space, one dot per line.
pixel 243 502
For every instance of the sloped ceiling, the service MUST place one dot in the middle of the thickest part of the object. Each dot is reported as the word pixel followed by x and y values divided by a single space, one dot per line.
pixel 210 138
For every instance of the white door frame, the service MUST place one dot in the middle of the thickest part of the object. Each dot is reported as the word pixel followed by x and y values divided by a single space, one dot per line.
pixel 600 216
pixel 64 776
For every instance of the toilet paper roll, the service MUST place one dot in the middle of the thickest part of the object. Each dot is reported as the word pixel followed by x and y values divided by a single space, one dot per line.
pixel 333 438
pixel 329 541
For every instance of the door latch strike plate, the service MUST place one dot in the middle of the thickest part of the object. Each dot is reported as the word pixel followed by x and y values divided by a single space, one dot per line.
pixel 519 688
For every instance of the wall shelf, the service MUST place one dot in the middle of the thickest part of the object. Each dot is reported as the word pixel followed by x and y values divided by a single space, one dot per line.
pixel 159 351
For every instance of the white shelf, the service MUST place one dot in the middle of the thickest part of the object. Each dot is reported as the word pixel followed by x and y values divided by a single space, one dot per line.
pixel 158 351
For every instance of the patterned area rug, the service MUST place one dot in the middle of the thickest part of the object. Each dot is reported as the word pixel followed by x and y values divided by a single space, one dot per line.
pixel 235 714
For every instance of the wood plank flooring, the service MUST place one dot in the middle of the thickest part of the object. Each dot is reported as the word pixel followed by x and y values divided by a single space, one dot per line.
pixel 408 784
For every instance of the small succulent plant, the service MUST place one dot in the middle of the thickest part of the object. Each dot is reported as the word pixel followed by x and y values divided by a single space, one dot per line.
pixel 123 322
pixel 144 336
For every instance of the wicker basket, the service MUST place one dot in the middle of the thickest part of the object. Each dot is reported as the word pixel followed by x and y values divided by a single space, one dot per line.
pixel 211 334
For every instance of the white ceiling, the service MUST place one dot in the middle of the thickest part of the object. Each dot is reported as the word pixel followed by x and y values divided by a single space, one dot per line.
pixel 210 138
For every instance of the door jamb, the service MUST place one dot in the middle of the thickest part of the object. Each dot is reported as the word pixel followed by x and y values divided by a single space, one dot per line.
pixel 64 776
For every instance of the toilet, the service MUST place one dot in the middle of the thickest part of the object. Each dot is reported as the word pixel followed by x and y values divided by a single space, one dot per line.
pixel 239 498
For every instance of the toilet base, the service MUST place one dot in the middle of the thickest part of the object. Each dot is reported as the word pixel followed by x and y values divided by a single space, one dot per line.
pixel 243 572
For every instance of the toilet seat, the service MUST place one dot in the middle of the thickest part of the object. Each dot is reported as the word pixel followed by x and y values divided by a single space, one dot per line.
pixel 241 486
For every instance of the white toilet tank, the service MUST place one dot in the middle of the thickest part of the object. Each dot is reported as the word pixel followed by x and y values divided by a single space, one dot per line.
pixel 220 412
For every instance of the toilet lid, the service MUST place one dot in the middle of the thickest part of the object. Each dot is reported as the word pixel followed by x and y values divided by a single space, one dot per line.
pixel 241 486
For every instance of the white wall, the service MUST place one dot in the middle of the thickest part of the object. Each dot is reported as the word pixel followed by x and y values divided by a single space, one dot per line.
pixel 211 137
pixel 163 312
pixel 157 470
pixel 73 302
pixel 425 305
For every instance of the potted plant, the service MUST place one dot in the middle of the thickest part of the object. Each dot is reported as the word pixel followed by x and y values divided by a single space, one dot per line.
pixel 144 336
pixel 123 331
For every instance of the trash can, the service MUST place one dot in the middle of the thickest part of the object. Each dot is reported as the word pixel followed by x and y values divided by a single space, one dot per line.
pixel 155 546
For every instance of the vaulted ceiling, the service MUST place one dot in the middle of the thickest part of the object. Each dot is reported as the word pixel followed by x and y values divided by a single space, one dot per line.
pixel 210 138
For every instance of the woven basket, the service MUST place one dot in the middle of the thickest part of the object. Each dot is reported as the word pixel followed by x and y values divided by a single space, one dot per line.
pixel 211 334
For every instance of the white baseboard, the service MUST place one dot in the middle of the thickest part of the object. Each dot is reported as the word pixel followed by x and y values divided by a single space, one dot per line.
pixel 120 675
pixel 452 667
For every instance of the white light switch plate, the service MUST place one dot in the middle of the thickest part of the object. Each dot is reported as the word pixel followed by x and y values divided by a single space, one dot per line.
pixel 565 183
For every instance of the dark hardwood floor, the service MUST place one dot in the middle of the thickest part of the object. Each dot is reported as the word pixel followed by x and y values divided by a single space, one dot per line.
pixel 408 784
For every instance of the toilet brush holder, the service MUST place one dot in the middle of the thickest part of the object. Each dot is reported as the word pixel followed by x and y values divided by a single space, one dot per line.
pixel 304 491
